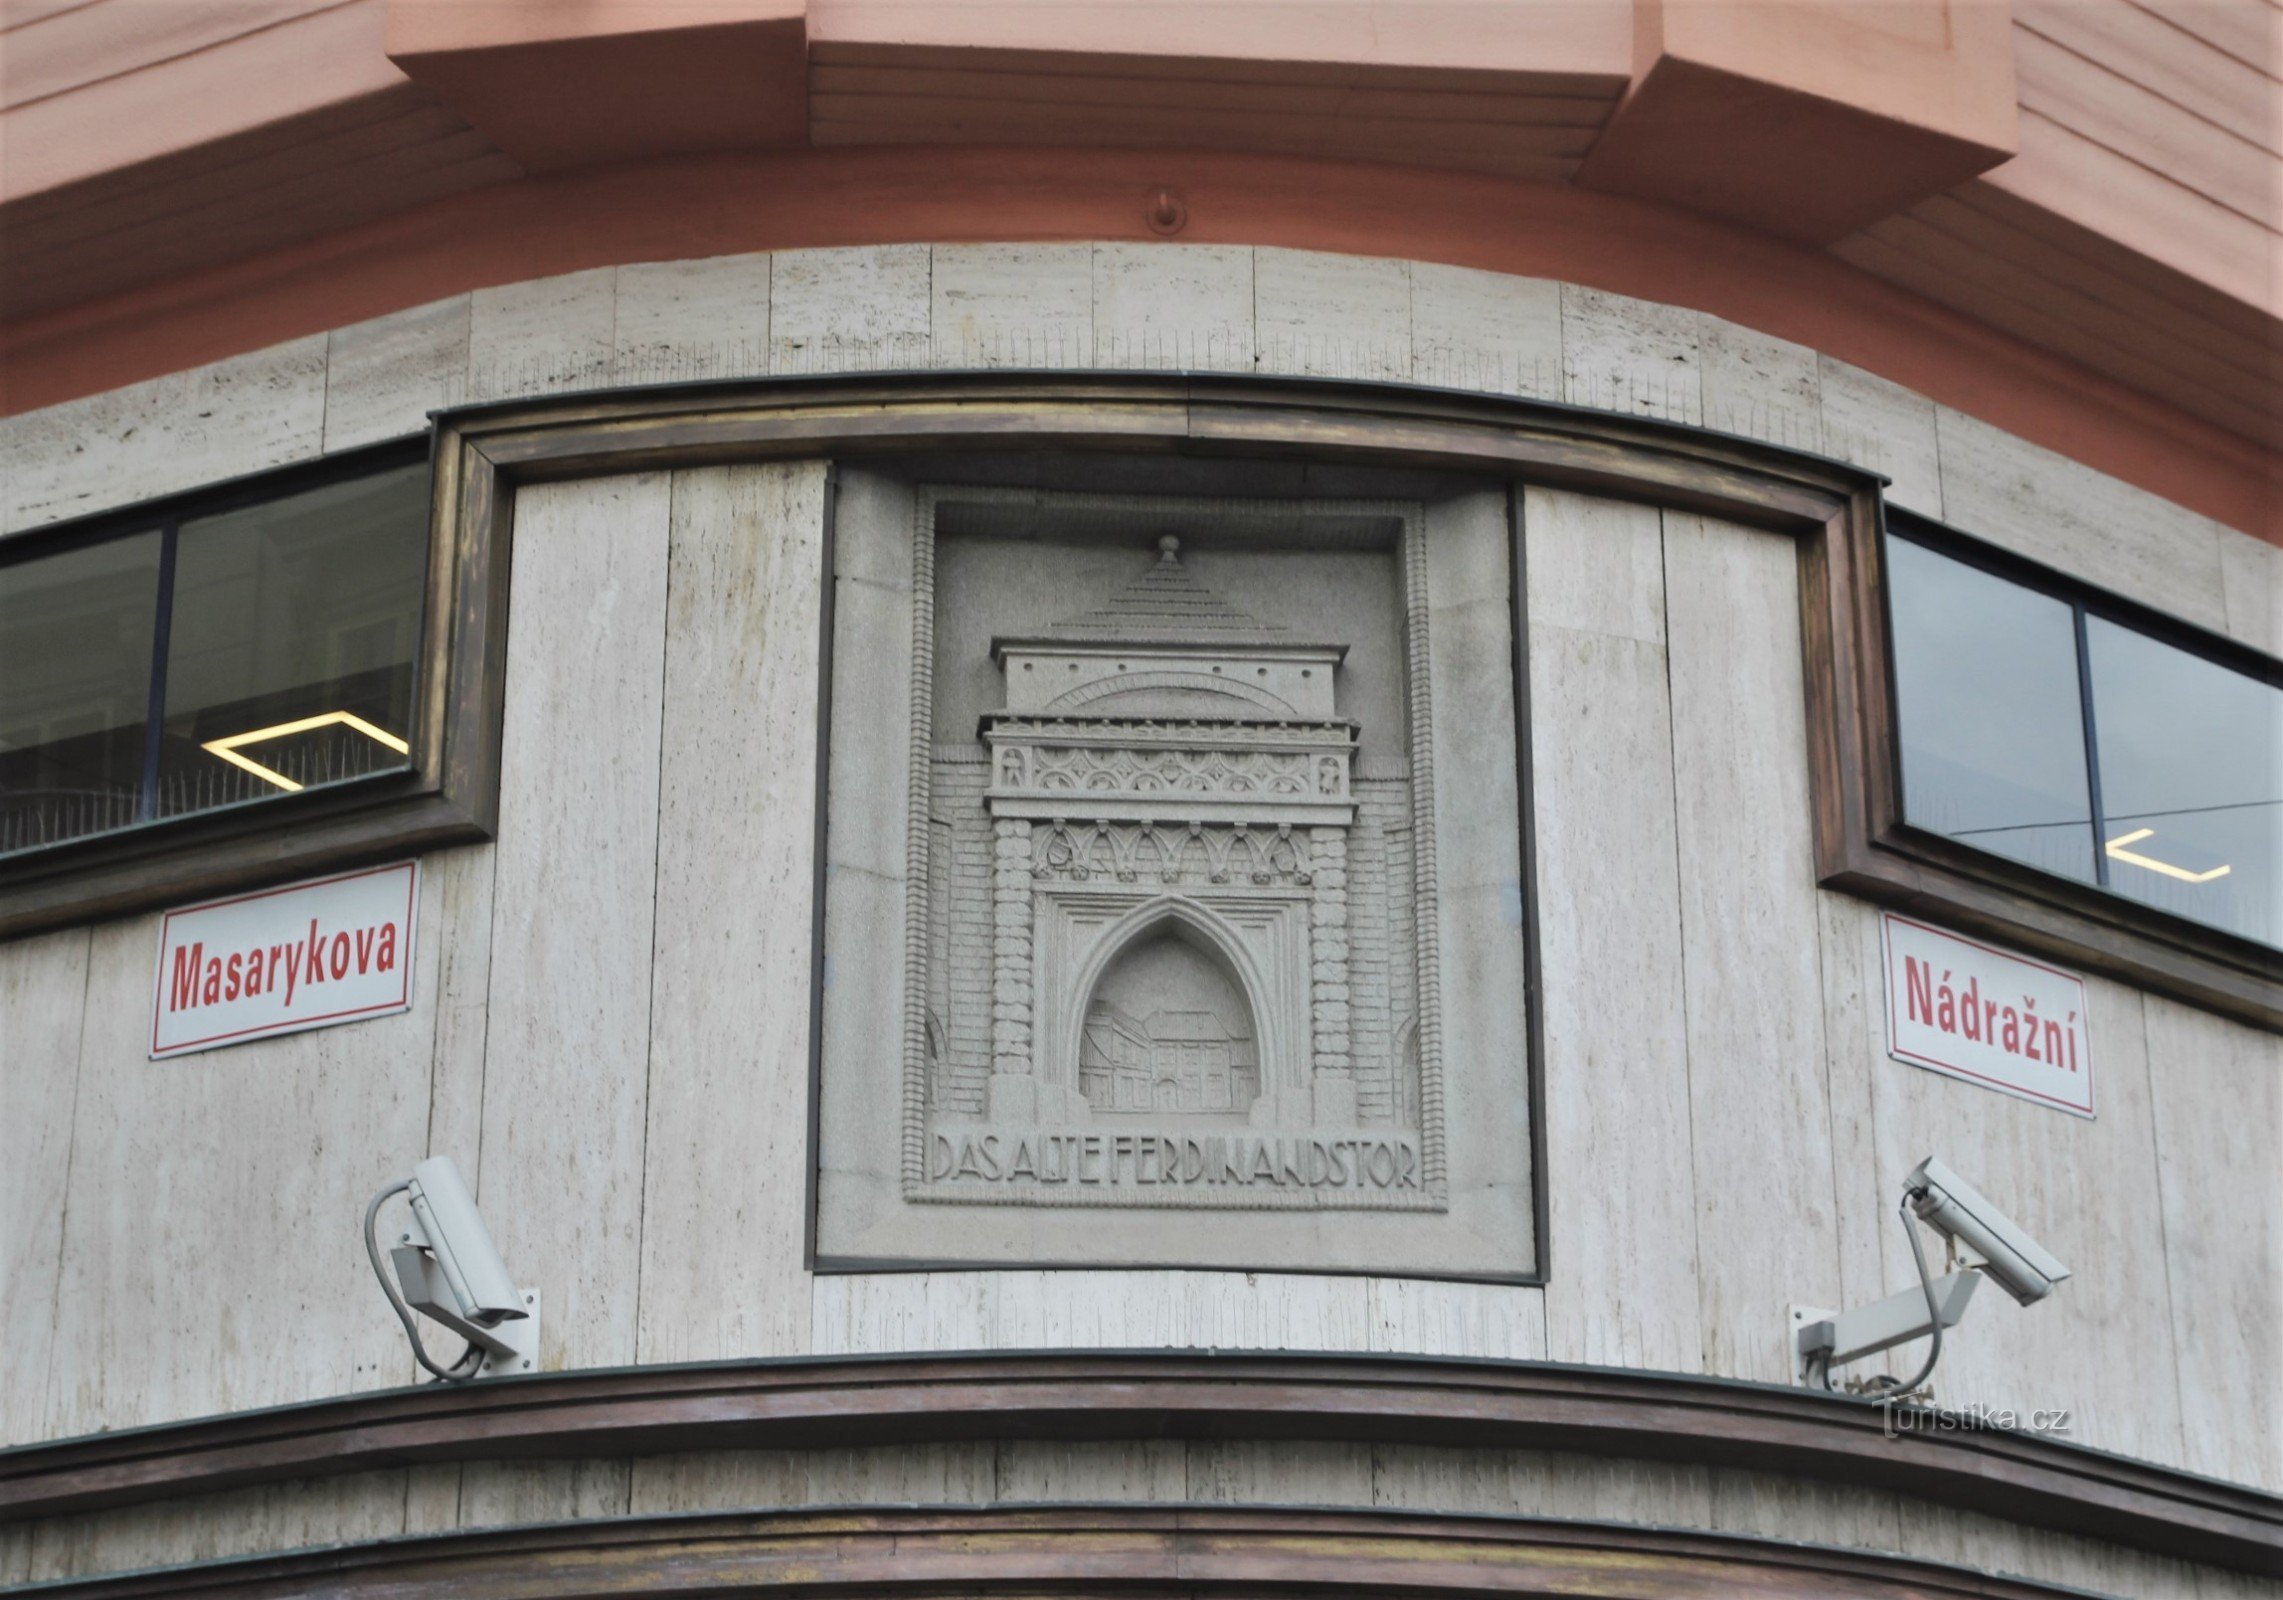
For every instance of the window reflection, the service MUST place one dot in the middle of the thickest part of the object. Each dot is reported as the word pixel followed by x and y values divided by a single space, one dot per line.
pixel 278 638
pixel 2178 801
pixel 75 688
pixel 1993 739
pixel 2191 767
pixel 290 664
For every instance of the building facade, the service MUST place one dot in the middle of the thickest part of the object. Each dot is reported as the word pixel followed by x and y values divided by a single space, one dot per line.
pixel 1200 799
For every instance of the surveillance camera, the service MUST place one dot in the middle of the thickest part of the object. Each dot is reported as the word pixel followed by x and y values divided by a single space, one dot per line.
pixel 448 1224
pixel 1991 1244
pixel 1949 1204
pixel 450 1271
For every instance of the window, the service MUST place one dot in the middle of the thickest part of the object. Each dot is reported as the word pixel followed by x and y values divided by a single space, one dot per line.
pixel 208 691
pixel 2037 726
pixel 212 661
pixel 77 631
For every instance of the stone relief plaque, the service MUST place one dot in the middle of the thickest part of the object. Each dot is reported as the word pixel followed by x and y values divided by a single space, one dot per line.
pixel 1169 923
pixel 1183 996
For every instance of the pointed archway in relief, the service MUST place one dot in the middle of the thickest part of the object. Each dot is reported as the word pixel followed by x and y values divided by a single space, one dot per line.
pixel 1169 1024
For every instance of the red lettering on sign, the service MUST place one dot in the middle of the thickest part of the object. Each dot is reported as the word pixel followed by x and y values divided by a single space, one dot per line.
pixel 184 993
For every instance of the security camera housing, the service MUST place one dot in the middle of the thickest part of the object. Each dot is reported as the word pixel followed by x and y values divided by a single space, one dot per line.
pixel 448 1270
pixel 1985 1242
pixel 453 1230
pixel 1953 1207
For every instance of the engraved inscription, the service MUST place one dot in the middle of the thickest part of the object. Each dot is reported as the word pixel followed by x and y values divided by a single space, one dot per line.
pixel 1385 1164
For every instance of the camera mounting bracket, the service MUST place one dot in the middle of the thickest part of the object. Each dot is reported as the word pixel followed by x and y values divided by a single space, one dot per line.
pixel 510 1346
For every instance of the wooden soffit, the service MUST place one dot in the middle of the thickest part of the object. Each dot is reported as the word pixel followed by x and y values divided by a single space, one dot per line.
pixel 1108 1550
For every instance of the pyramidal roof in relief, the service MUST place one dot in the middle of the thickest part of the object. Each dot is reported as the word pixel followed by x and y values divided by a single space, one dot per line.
pixel 1167 604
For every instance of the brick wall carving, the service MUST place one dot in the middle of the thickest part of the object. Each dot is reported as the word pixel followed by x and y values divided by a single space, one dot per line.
pixel 1172 943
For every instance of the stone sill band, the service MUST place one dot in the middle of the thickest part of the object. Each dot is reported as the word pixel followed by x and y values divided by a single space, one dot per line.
pixel 801 1402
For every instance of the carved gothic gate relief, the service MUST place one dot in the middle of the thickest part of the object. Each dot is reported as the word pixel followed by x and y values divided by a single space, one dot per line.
pixel 1167 758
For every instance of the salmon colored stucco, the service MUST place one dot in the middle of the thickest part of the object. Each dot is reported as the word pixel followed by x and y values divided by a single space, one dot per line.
pixel 2057 215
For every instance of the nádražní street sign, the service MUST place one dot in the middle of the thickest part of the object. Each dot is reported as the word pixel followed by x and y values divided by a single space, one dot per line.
pixel 1973 1011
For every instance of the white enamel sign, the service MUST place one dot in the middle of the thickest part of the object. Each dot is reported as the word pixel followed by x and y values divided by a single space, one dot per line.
pixel 1974 1011
pixel 309 955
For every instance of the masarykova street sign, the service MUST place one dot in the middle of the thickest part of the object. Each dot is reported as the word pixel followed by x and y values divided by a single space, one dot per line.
pixel 307 955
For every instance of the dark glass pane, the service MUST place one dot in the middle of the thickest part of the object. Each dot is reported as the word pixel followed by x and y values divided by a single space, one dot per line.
pixel 2191 758
pixel 290 659
pixel 75 689
pixel 1993 734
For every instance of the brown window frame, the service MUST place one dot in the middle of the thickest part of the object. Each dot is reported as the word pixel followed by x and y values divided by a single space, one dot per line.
pixel 1866 847
pixel 1834 511
pixel 447 794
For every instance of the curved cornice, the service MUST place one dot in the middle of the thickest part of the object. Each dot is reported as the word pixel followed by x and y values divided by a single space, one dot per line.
pixel 1391 424
pixel 839 1401
pixel 1070 1550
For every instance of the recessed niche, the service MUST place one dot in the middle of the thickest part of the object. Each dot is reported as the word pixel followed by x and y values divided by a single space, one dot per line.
pixel 1168 973
pixel 1168 1030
